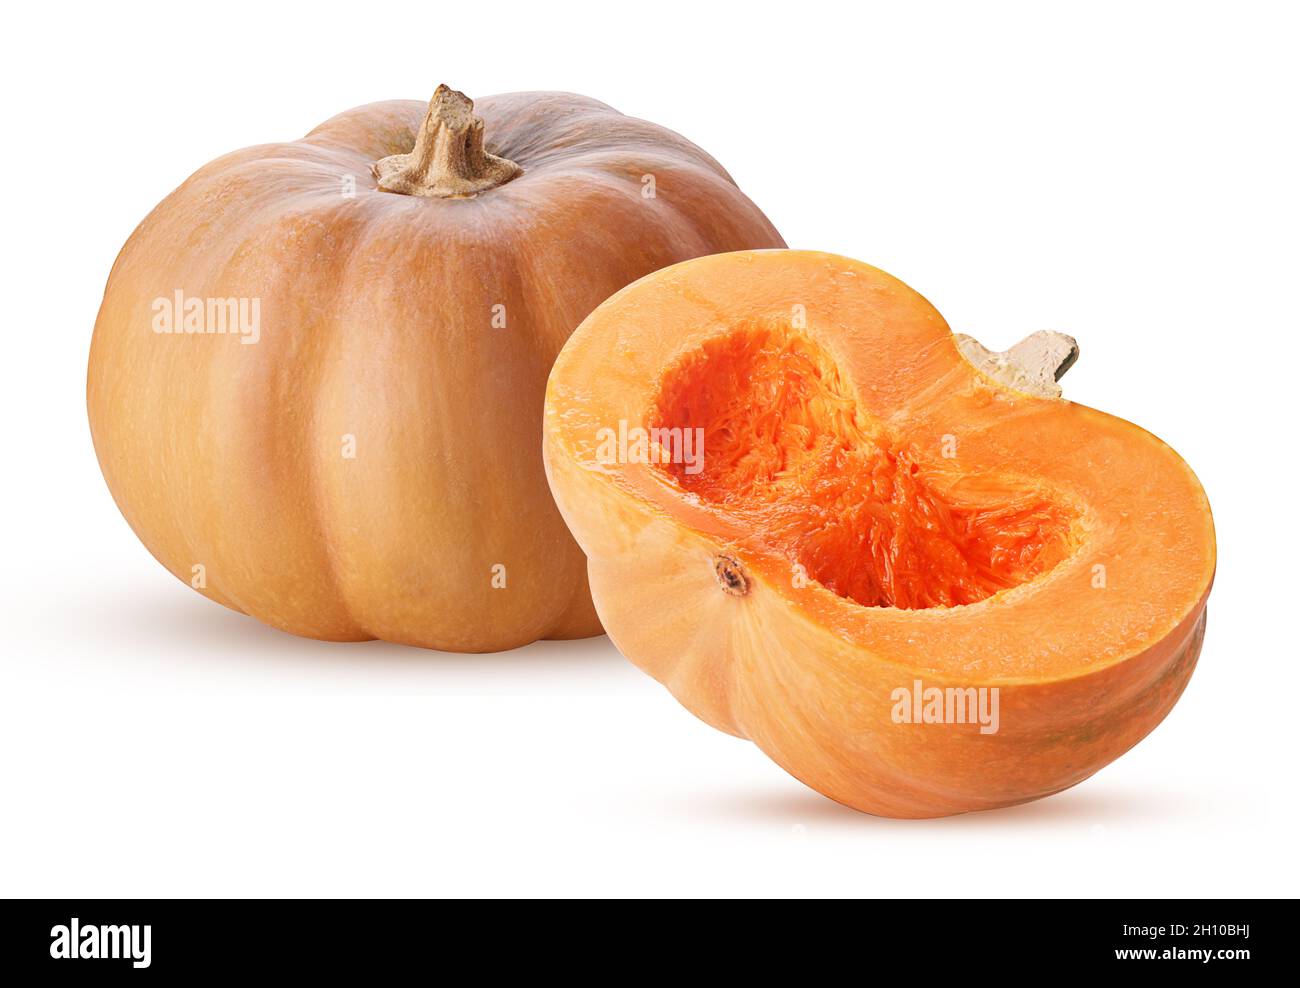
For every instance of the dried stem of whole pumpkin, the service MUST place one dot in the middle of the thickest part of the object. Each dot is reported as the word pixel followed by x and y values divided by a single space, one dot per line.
pixel 448 160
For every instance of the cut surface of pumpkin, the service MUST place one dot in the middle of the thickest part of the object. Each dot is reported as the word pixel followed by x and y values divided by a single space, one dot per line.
pixel 830 505
pixel 832 490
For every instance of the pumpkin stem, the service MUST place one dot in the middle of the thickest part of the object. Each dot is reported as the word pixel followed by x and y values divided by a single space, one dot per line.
pixel 448 160
pixel 1033 365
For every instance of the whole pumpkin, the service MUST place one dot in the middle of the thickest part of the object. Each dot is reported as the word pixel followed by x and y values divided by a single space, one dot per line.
pixel 317 377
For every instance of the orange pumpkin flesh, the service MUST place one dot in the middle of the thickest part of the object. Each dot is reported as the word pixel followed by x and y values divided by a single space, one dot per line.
pixel 369 467
pixel 872 513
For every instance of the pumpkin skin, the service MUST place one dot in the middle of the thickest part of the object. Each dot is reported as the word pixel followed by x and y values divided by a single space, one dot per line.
pixel 381 326
pixel 829 552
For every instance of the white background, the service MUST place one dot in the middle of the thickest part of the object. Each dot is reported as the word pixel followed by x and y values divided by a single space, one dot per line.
pixel 1127 174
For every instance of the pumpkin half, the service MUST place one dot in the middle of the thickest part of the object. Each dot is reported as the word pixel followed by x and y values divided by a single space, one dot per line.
pixel 902 565
pixel 316 379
